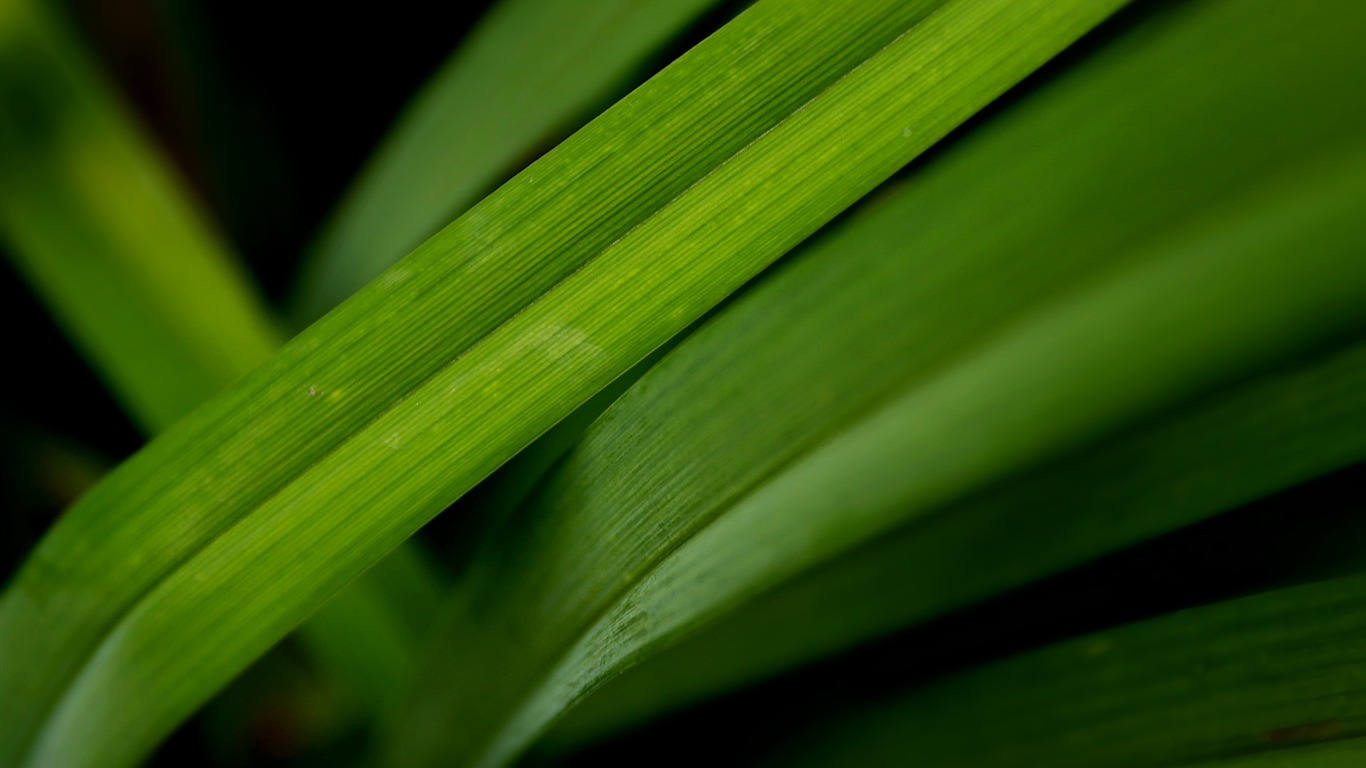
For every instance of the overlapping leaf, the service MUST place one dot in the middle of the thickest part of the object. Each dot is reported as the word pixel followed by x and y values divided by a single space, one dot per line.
pixel 528 69
pixel 111 240
pixel 1222 451
pixel 1208 179
pixel 99 226
pixel 211 543
pixel 486 108
pixel 1214 685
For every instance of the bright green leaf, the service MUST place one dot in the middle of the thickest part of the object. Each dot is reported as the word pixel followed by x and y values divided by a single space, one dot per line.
pixel 1088 365
pixel 528 69
pixel 220 536
pixel 953 340
pixel 105 232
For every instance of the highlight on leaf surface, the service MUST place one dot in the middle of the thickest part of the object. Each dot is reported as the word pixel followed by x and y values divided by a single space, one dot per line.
pixel 1224 450
pixel 822 409
pixel 358 431
pixel 1128 299
pixel 528 69
pixel 113 241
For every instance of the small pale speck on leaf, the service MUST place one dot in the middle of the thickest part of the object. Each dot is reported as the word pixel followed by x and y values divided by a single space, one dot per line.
pixel 314 391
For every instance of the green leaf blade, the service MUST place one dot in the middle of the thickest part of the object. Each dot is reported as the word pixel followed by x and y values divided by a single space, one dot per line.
pixel 102 229
pixel 111 240
pixel 1271 674
pixel 528 68
pixel 400 400
pixel 856 486
pixel 1159 177
pixel 1223 451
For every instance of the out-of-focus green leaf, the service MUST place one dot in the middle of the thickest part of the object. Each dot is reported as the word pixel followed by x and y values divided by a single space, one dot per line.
pixel 107 235
pixel 528 69
pixel 109 239
pixel 1178 212
pixel 1269 672
pixel 211 543
pixel 1348 753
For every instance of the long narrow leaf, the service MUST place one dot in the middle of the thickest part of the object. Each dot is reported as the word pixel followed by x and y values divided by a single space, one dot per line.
pixel 954 342
pixel 1226 450
pixel 210 544
pixel 99 227
pixel 106 234
pixel 1270 672
pixel 955 432
pixel 527 69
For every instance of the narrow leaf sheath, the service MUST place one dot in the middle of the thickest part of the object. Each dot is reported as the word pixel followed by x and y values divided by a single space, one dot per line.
pixel 220 536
